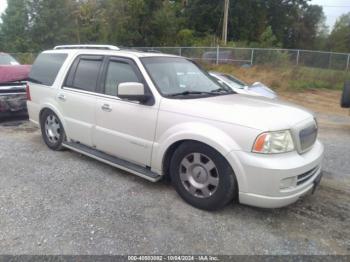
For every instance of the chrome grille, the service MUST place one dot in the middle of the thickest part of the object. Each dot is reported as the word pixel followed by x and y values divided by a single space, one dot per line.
pixel 307 137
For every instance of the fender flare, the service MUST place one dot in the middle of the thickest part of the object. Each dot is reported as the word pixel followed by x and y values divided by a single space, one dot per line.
pixel 201 132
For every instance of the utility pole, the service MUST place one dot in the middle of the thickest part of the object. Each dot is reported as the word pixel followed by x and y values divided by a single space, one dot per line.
pixel 225 23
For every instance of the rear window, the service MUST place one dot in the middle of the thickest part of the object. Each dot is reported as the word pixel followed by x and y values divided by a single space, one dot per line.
pixel 46 68
pixel 6 59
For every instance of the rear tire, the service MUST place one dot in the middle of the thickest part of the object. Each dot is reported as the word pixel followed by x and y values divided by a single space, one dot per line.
pixel 345 99
pixel 202 176
pixel 52 130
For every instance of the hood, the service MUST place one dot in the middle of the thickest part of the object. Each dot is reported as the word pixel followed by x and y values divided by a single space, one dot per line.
pixel 11 73
pixel 251 111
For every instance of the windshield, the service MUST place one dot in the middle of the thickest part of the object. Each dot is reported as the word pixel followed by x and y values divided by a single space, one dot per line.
pixel 174 75
pixel 233 82
pixel 6 59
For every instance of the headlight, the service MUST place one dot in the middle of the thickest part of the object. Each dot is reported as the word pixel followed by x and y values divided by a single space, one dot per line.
pixel 274 143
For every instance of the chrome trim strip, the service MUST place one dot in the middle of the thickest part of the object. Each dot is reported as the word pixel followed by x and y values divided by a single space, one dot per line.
pixel 8 94
pixel 75 90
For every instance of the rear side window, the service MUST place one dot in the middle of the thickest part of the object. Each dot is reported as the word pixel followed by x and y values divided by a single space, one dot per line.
pixel 46 68
pixel 84 73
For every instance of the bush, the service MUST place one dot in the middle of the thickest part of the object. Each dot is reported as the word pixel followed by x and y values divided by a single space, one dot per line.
pixel 25 58
pixel 271 57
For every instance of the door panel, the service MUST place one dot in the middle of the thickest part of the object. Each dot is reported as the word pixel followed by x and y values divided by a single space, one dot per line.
pixel 79 114
pixel 123 128
pixel 126 131
pixel 78 97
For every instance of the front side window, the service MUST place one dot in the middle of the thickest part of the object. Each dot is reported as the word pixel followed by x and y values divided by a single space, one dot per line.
pixel 175 76
pixel 118 72
pixel 86 74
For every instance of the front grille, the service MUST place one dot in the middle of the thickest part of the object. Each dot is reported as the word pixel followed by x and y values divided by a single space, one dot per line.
pixel 307 137
pixel 306 176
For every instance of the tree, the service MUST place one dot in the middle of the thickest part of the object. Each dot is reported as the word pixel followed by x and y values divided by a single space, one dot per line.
pixel 268 39
pixel 52 23
pixel 306 27
pixel 339 39
pixel 33 25
pixel 14 29
pixel 91 22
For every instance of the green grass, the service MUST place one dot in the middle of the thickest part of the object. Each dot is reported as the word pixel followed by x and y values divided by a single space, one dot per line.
pixel 289 78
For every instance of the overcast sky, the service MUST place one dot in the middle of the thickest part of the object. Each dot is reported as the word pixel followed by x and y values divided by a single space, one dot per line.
pixel 3 5
pixel 332 8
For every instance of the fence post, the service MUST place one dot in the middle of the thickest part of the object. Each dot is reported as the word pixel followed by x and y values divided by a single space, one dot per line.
pixel 298 57
pixel 348 62
pixel 252 57
pixel 180 51
pixel 217 54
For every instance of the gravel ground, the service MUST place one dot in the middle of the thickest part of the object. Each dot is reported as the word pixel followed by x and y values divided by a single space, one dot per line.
pixel 66 203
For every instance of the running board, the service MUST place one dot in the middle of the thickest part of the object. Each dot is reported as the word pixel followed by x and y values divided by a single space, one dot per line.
pixel 113 161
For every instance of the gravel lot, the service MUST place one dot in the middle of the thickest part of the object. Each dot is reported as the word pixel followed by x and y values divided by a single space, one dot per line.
pixel 66 203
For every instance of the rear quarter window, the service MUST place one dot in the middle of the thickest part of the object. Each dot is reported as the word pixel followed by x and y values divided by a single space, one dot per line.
pixel 46 68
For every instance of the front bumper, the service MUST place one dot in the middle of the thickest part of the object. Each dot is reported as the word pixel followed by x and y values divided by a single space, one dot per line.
pixel 262 178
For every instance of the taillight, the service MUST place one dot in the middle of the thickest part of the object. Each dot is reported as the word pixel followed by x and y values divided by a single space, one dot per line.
pixel 28 93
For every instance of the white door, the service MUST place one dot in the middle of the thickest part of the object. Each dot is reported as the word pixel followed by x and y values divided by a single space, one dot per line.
pixel 125 129
pixel 78 98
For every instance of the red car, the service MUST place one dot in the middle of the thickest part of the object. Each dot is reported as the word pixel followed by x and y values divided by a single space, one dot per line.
pixel 13 78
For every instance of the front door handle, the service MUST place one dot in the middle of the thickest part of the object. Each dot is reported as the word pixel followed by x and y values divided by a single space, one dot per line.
pixel 61 97
pixel 106 107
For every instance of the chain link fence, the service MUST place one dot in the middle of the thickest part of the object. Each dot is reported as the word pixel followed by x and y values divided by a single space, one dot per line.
pixel 259 56
pixel 244 56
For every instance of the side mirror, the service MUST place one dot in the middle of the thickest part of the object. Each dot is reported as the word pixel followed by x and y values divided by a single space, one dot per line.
pixel 132 91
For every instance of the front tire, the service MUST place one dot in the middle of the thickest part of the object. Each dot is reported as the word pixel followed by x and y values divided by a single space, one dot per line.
pixel 52 130
pixel 202 176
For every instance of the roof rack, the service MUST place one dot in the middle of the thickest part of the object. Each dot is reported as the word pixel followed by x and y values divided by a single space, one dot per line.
pixel 104 47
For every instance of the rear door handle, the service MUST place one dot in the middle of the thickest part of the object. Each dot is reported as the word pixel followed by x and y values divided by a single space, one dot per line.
pixel 106 107
pixel 61 97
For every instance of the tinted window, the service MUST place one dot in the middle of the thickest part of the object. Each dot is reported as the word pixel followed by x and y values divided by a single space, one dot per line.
pixel 46 68
pixel 118 72
pixel 86 74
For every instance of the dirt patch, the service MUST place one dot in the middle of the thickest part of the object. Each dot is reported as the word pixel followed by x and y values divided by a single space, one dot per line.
pixel 319 101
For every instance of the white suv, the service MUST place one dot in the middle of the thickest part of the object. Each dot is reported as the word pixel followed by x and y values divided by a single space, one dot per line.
pixel 157 115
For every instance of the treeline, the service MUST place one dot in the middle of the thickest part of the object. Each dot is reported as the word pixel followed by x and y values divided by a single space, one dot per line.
pixel 33 25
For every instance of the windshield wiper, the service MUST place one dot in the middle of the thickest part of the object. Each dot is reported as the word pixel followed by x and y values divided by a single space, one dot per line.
pixel 186 93
pixel 222 89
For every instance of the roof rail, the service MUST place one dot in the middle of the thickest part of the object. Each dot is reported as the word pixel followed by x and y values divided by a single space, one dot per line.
pixel 104 47
pixel 154 51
